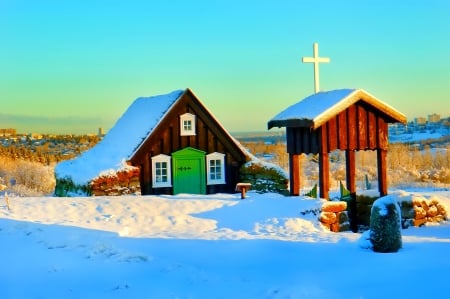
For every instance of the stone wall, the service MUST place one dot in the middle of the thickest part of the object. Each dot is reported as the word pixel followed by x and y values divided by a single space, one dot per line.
pixel 334 216
pixel 120 183
pixel 419 211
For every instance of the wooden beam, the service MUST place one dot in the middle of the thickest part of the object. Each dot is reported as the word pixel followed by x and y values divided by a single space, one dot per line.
pixel 146 182
pixel 350 170
pixel 351 128
pixel 294 174
pixel 342 130
pixel 324 175
pixel 324 164
pixel 382 171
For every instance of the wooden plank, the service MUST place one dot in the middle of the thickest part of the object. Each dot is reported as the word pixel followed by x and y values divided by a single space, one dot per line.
pixel 324 175
pixel 351 128
pixel 294 174
pixel 201 136
pixel 372 130
pixel 298 140
pixel 350 170
pixel 342 130
pixel 382 171
pixel 306 141
pixel 382 130
pixel 315 143
pixel 290 140
pixel 324 164
pixel 146 181
pixel 332 136
pixel 362 128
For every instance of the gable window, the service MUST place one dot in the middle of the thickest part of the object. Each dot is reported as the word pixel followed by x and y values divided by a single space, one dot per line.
pixel 161 171
pixel 187 124
pixel 215 168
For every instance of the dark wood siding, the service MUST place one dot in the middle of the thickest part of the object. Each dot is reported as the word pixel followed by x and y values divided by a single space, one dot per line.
pixel 210 137
pixel 359 127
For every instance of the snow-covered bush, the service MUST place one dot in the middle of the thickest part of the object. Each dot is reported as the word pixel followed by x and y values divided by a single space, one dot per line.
pixel 26 178
pixel 385 225
pixel 264 177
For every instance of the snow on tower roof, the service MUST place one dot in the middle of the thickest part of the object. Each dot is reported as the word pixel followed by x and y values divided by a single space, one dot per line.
pixel 120 142
pixel 317 109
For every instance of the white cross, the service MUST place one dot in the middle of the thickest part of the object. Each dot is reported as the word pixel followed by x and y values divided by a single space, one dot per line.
pixel 316 60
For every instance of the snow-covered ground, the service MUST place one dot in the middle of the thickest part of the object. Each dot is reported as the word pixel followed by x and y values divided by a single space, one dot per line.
pixel 211 246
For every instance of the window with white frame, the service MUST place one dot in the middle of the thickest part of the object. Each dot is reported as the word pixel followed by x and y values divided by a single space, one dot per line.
pixel 215 168
pixel 187 124
pixel 161 171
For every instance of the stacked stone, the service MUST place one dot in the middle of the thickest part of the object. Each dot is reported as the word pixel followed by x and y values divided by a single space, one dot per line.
pixel 334 216
pixel 428 211
pixel 418 211
pixel 121 183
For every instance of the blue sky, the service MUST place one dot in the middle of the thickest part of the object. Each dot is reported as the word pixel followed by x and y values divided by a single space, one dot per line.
pixel 74 66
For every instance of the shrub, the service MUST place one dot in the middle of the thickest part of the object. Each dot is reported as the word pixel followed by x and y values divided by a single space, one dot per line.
pixel 66 187
pixel 385 225
pixel 26 178
pixel 264 177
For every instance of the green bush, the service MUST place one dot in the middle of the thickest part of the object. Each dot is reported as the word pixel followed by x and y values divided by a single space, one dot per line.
pixel 66 187
pixel 264 177
pixel 385 225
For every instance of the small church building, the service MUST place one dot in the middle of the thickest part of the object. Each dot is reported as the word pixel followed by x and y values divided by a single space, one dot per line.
pixel 165 144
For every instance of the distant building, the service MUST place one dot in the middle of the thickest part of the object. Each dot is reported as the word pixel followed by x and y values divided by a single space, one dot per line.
pixel 101 132
pixel 434 118
pixel 36 136
pixel 420 121
pixel 8 132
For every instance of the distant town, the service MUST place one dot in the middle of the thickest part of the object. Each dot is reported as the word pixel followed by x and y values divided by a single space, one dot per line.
pixel 433 127
pixel 49 148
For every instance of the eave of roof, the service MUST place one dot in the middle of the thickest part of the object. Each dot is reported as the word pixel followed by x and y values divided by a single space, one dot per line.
pixel 317 109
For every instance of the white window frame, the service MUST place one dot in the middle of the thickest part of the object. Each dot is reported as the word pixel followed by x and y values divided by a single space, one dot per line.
pixel 215 157
pixel 161 159
pixel 187 117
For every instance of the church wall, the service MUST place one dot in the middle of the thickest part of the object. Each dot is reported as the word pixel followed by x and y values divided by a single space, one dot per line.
pixel 166 139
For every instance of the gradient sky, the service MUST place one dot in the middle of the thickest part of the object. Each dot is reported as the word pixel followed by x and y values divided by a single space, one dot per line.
pixel 74 66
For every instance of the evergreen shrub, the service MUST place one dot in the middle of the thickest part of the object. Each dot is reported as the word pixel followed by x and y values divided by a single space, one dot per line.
pixel 385 225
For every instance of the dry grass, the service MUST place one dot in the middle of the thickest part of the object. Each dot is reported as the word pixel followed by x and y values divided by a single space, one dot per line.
pixel 26 178
pixel 406 164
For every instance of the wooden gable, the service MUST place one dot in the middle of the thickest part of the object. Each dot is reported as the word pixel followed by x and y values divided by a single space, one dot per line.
pixel 348 120
pixel 209 137
pixel 358 127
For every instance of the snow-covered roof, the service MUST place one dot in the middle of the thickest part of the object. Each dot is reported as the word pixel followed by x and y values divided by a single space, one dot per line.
pixel 121 141
pixel 318 108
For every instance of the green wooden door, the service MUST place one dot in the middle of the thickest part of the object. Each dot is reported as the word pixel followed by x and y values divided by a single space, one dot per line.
pixel 188 169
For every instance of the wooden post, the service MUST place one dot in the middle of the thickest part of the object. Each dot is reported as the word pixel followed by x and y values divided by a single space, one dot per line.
pixel 324 175
pixel 324 163
pixel 294 174
pixel 351 186
pixel 382 171
pixel 243 187
pixel 350 170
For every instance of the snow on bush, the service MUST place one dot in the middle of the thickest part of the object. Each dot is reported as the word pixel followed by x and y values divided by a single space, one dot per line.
pixel 265 177
pixel 26 178
pixel 385 225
